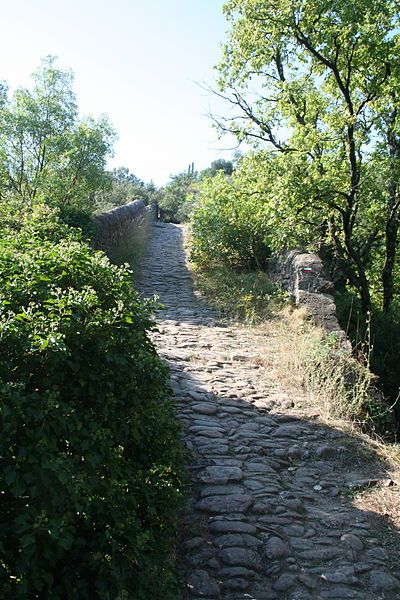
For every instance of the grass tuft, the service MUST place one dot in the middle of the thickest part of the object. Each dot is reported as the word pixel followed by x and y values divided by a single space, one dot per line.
pixel 248 297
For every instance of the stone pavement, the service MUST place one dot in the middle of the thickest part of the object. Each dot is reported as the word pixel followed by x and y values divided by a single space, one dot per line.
pixel 268 512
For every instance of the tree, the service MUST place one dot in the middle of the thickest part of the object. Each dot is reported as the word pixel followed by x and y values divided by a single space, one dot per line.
pixel 126 187
pixel 175 200
pixel 226 166
pixel 46 151
pixel 317 81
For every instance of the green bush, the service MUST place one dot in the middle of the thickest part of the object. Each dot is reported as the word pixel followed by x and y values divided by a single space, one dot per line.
pixel 377 341
pixel 77 217
pixel 42 222
pixel 89 453
pixel 229 228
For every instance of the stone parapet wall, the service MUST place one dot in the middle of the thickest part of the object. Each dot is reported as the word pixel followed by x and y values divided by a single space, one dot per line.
pixel 112 226
pixel 302 274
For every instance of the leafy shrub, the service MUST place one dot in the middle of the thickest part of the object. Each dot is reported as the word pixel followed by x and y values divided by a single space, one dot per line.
pixel 77 217
pixel 379 339
pixel 89 450
pixel 229 228
pixel 42 222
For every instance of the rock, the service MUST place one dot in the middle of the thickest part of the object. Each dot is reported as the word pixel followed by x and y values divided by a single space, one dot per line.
pixel 210 449
pixel 232 527
pixel 209 432
pixel 235 583
pixel 377 554
pixel 294 452
pixel 205 409
pixel 238 539
pixel 290 431
pixel 193 543
pixel 231 410
pixel 276 548
pixel 200 557
pixel 382 580
pixel 254 485
pixel 338 592
pixel 319 554
pixel 307 580
pixel 342 575
pixel 363 567
pixel 294 530
pixel 261 508
pixel 352 541
pixel 239 503
pixel 219 474
pixel 240 557
pixel 236 572
pixel 196 395
pixel 301 544
pixel 220 490
pixel 296 505
pixel 284 582
pixel 259 467
pixel 264 592
pixel 323 451
pixel 200 584
pixel 227 462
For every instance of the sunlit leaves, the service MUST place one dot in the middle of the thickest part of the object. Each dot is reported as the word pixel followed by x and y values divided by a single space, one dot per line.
pixel 46 151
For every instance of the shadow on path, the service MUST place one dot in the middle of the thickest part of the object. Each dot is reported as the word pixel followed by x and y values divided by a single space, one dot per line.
pixel 269 511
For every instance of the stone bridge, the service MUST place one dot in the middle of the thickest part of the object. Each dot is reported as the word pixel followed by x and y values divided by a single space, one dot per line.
pixel 269 512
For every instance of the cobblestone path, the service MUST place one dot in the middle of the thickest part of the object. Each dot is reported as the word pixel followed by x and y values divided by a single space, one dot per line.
pixel 268 513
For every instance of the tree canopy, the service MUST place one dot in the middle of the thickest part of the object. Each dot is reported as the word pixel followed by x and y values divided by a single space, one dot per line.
pixel 46 150
pixel 317 82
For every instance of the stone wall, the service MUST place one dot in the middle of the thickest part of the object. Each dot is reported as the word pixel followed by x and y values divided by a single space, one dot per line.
pixel 113 226
pixel 302 274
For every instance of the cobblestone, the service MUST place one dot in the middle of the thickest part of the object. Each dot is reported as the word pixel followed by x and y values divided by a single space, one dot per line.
pixel 266 515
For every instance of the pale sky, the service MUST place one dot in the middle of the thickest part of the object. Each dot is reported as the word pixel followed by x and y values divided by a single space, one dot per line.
pixel 138 61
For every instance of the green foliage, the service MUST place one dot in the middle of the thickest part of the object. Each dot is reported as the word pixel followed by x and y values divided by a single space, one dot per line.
pixel 248 297
pixel 89 449
pixel 175 201
pixel 385 338
pixel 46 151
pixel 77 217
pixel 229 226
pixel 226 166
pixel 377 340
pixel 124 188
pixel 319 83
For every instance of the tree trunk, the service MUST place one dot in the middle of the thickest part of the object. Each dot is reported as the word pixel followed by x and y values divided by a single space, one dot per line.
pixel 392 215
pixel 356 260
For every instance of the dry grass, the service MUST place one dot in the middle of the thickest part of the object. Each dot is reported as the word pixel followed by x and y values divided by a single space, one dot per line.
pixel 383 500
pixel 333 389
pixel 287 340
pixel 300 356
pixel 382 503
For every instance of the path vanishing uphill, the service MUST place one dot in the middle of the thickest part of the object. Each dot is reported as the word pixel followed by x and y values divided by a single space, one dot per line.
pixel 268 513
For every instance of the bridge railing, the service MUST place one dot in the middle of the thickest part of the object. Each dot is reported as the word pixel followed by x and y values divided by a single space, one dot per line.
pixel 112 226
